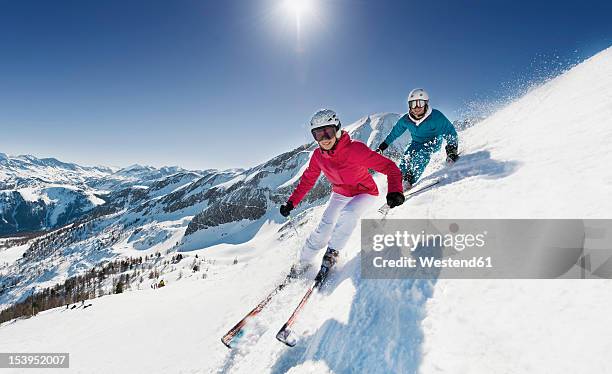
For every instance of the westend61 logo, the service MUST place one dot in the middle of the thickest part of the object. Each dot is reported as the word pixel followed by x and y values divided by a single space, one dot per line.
pixel 412 241
pixel 486 248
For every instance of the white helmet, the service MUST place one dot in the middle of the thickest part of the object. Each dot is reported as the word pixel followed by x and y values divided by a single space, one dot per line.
pixel 418 94
pixel 325 117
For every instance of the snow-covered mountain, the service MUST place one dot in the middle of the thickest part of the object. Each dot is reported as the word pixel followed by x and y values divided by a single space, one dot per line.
pixel 544 155
pixel 36 208
pixel 40 194
pixel 24 170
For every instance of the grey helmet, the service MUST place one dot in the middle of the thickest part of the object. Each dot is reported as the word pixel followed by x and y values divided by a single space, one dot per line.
pixel 418 94
pixel 323 118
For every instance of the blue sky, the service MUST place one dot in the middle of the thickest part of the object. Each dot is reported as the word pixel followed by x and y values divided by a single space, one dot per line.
pixel 220 84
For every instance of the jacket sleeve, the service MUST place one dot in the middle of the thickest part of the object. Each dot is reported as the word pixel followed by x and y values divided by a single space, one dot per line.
pixel 307 181
pixel 396 132
pixel 372 160
pixel 448 131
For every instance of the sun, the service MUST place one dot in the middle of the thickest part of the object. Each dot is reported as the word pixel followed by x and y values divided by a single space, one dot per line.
pixel 299 19
pixel 299 7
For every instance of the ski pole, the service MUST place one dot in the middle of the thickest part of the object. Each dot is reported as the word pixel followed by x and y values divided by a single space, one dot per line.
pixel 290 219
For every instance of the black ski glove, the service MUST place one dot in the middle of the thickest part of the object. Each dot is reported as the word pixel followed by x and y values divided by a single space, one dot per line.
pixel 286 209
pixel 451 153
pixel 395 199
pixel 381 148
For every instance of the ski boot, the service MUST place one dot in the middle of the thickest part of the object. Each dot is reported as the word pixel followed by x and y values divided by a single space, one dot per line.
pixel 329 260
pixel 407 181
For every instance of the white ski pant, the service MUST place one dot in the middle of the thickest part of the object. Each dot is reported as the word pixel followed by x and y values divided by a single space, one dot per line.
pixel 337 223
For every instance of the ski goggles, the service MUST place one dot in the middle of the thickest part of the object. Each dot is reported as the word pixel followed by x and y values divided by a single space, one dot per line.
pixel 322 133
pixel 417 103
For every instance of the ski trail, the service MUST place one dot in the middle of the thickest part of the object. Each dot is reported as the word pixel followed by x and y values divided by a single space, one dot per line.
pixel 259 333
pixel 385 317
pixel 475 164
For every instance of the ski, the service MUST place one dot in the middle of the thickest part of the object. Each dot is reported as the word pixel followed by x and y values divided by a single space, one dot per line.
pixel 285 334
pixel 235 332
pixel 385 208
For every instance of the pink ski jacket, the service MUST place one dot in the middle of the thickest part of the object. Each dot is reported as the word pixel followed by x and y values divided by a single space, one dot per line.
pixel 346 167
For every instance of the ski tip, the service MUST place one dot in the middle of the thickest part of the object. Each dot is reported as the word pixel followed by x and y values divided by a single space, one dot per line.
pixel 289 344
pixel 227 344
pixel 284 336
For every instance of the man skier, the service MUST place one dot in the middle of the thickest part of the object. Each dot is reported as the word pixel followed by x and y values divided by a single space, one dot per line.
pixel 345 163
pixel 428 128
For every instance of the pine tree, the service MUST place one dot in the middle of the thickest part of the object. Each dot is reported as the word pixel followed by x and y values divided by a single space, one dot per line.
pixel 119 287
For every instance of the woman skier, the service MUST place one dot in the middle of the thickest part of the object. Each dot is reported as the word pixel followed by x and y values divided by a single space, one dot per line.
pixel 428 128
pixel 345 163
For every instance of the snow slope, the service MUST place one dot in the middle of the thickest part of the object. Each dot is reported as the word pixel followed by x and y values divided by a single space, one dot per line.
pixel 544 155
pixel 558 139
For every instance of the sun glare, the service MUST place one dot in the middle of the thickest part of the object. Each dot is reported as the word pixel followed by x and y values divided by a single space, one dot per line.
pixel 299 7
pixel 303 16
